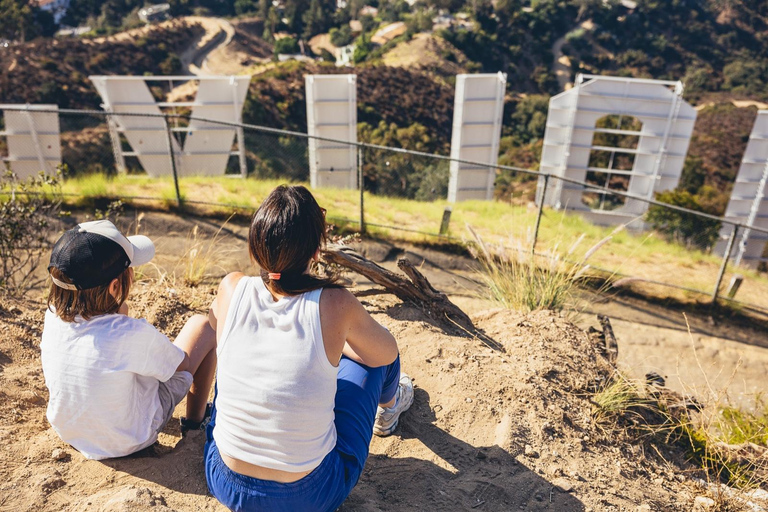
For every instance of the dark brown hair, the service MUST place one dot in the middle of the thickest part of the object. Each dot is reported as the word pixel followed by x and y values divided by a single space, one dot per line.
pixel 68 304
pixel 286 232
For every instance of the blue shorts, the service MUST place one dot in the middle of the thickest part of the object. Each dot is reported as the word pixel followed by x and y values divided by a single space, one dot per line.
pixel 359 391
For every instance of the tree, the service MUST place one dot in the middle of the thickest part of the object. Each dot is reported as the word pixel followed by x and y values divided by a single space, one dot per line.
pixel 341 36
pixel 686 228
pixel 246 7
pixel 286 45
pixel 16 20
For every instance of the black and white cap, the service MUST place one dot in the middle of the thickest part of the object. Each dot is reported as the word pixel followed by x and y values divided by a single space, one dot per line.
pixel 94 253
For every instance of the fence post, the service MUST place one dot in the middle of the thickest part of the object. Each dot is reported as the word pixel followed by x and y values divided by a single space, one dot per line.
pixel 538 215
pixel 173 161
pixel 726 257
pixel 446 220
pixel 361 186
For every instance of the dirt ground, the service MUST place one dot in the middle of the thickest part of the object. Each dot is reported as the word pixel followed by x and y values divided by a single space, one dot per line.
pixel 489 430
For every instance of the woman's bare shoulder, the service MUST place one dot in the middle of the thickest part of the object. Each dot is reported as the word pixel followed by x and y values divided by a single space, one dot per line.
pixel 339 300
pixel 230 281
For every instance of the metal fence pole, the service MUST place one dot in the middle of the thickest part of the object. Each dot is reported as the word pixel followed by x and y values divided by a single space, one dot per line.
pixel 361 186
pixel 173 162
pixel 726 257
pixel 540 212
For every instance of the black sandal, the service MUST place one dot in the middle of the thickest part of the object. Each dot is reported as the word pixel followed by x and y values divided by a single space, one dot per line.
pixel 187 425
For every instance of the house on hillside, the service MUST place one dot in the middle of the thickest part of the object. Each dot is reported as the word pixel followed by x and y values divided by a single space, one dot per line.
pixel 444 19
pixel 356 26
pixel 345 55
pixel 388 33
pixel 155 13
pixel 58 8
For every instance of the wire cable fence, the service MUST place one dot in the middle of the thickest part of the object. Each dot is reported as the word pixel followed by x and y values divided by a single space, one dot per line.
pixel 667 248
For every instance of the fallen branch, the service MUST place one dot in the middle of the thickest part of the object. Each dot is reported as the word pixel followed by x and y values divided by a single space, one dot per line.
pixel 417 290
pixel 611 346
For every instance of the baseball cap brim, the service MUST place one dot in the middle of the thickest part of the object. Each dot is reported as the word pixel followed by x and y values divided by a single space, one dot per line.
pixel 143 250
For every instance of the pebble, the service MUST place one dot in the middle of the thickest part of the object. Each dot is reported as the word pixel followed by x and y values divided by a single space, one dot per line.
pixel 469 400
pixel 703 504
pixel 530 452
pixel 562 484
pixel 59 454
pixel 644 508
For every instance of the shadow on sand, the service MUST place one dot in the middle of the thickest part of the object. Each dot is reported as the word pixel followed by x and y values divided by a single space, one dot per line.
pixel 470 477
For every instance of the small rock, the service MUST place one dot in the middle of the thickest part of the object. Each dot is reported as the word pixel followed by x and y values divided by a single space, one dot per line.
pixel 469 400
pixel 563 485
pixel 703 504
pixel 585 438
pixel 480 456
pixel 59 454
pixel 644 508
pixel 530 452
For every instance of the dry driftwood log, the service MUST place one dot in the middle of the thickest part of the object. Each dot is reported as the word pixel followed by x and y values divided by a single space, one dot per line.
pixel 416 289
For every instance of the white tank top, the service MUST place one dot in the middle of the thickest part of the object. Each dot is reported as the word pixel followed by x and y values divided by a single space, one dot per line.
pixel 276 387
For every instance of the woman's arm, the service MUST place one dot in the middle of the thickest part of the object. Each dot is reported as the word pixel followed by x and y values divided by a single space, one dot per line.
pixel 349 329
pixel 217 315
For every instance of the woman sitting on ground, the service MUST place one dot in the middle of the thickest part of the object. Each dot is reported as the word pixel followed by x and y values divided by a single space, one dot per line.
pixel 305 375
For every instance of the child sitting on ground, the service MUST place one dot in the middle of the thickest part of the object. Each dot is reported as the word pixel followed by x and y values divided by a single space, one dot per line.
pixel 114 381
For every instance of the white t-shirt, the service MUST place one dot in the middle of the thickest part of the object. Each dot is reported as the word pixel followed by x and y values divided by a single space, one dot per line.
pixel 102 376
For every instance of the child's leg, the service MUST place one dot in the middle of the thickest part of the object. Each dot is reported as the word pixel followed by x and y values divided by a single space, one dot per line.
pixel 198 340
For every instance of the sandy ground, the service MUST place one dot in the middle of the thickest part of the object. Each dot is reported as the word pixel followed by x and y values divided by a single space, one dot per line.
pixel 489 430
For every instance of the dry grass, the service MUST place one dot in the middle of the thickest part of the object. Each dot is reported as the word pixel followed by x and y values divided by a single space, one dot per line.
pixel 726 443
pixel 201 257
pixel 519 279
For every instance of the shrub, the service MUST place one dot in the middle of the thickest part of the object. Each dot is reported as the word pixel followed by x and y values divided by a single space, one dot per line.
pixel 341 36
pixel 286 45
pixel 685 228
pixel 29 213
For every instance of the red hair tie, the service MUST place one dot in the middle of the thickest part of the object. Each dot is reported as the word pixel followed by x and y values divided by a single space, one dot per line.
pixel 274 276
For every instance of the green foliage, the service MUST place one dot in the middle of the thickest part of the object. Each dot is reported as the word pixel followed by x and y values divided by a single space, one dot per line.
pixel 341 36
pixel 20 21
pixel 327 56
pixel 741 426
pixel 690 230
pixel 246 7
pixel 528 119
pixel 286 45
pixel 29 213
pixel 363 47
pixel 390 173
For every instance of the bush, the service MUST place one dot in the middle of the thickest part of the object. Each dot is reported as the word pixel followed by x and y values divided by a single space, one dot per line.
pixel 29 213
pixel 685 228
pixel 341 36
pixel 286 45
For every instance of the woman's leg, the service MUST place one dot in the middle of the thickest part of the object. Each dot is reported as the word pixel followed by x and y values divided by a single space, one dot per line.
pixel 198 340
pixel 359 390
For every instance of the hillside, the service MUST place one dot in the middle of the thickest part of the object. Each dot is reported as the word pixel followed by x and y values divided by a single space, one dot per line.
pixel 56 70
pixel 488 430
pixel 399 96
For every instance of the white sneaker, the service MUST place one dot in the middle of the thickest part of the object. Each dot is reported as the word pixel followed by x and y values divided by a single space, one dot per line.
pixel 387 418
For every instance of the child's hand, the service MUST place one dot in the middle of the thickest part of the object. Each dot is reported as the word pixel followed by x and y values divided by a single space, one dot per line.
pixel 123 309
